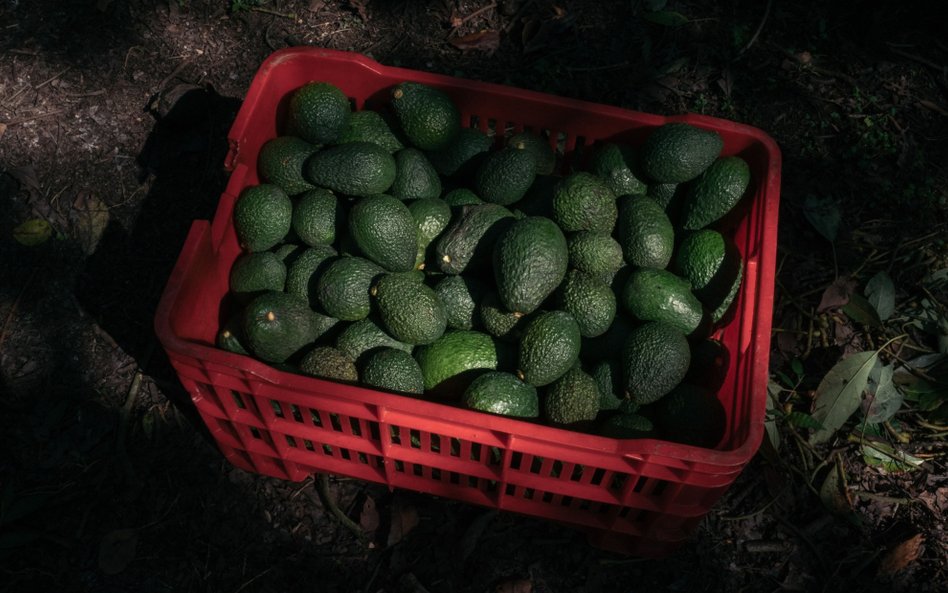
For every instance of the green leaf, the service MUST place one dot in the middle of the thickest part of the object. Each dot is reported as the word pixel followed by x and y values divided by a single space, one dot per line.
pixel 840 393
pixel 881 293
pixel 666 18
pixel 770 424
pixel 885 399
pixel 860 310
pixel 797 367
pixel 33 232
pixel 833 492
pixel 823 214
pixel 803 420
pixel 884 455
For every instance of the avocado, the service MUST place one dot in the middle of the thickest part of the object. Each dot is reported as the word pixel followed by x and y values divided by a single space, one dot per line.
pixel 256 273
pixel 715 192
pixel 432 216
pixel 317 217
pixel 427 116
pixel 583 202
pixel 327 362
pixel 679 152
pixel 617 165
pixel 645 233
pixel 262 217
pixel 530 260
pixel 460 157
pixel 659 295
pixel 669 196
pixel 230 336
pixel 343 288
pixel 456 198
pixel 451 362
pixel 691 415
pixel 280 162
pixel 393 370
pixel 497 392
pixel 571 399
pixel 589 300
pixel 655 358
pixel 415 177
pixel 370 126
pixel 543 156
pixel 469 241
pixel 624 425
pixel 548 347
pixel 384 230
pixel 288 252
pixel 318 113
pixel 355 169
pixel 498 321
pixel 365 336
pixel 303 274
pixel 460 295
pixel 505 176
pixel 608 377
pixel 409 310
pixel 277 325
pixel 597 254
pixel 720 308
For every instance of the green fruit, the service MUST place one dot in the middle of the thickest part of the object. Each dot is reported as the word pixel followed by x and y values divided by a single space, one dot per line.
pixel 461 154
pixel 393 370
pixel 572 398
pixel 318 113
pixel 327 362
pixel 303 274
pixel 262 217
pixel 505 176
pixel 583 202
pixel 461 197
pixel 715 192
pixel 277 325
pixel 281 163
pixel 597 254
pixel 548 347
pixel 230 336
pixel 432 216
pixel 255 273
pixel 679 152
pixel 659 295
pixel 645 233
pixel 343 289
pixel 409 310
pixel 415 178
pixel 498 321
pixel 460 296
pixel 543 156
pixel 355 169
pixel 691 415
pixel 589 300
pixel 668 196
pixel 720 308
pixel 655 358
pixel 451 362
pixel 288 252
pixel 530 261
pixel 428 117
pixel 617 165
pixel 714 268
pixel 316 217
pixel 502 393
pixel 365 336
pixel 628 426
pixel 369 126
pixel 384 230
pixel 608 377
pixel 467 244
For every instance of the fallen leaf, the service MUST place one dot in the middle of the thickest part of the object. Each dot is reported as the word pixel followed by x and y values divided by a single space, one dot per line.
pixel 884 455
pixel 117 550
pixel 937 501
pixel 840 393
pixel 360 7
pixel 90 216
pixel 884 398
pixel 823 214
pixel 833 493
pixel 33 232
pixel 485 40
pixel 770 423
pixel 901 556
pixel 837 294
pixel 860 310
pixel 515 586
pixel 369 517
pixel 316 5
pixel 404 519
pixel 880 290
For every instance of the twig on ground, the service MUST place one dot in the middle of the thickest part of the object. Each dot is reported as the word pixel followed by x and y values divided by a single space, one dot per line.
pixel 291 16
pixel 322 489
pixel 760 28
pixel 30 118
pixel 52 78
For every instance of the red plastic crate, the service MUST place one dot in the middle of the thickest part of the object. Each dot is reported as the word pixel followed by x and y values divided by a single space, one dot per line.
pixel 642 497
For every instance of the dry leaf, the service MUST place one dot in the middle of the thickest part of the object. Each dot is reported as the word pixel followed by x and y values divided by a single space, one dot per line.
pixel 485 40
pixel 404 519
pixel 316 5
pixel 515 586
pixel 3 129
pixel 117 550
pixel 90 216
pixel 837 294
pixel 898 558
pixel 33 232
pixel 359 5
pixel 369 517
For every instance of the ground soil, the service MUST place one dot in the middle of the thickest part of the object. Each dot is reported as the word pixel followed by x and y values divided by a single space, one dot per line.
pixel 108 480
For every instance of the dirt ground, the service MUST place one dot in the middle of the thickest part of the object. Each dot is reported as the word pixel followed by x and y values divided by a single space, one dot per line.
pixel 108 481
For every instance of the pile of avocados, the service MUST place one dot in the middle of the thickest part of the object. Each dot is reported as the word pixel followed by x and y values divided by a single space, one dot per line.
pixel 399 250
